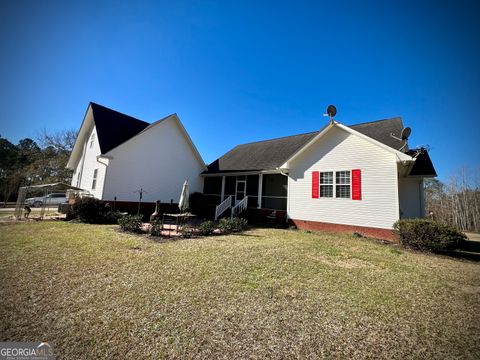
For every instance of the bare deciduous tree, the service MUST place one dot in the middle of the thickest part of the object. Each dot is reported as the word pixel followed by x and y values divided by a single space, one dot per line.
pixel 456 203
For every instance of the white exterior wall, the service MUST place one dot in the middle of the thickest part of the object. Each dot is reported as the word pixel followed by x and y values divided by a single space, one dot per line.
pixel 87 165
pixel 411 197
pixel 158 160
pixel 338 150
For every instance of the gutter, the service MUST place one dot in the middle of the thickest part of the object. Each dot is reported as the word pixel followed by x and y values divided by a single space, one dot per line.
pixel 103 157
pixel 106 167
pixel 239 173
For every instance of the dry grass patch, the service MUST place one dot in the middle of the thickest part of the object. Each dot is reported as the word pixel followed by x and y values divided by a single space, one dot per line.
pixel 95 292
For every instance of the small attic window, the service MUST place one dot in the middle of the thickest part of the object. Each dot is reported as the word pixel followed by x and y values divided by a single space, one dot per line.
pixel 94 180
pixel 92 140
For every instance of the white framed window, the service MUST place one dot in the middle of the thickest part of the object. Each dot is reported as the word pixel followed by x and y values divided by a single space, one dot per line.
pixel 342 184
pixel 94 181
pixel 326 184
pixel 335 184
pixel 79 178
pixel 92 140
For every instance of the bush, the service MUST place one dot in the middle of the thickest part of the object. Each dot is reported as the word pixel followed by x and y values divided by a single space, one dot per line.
pixel 423 234
pixel 227 225
pixel 93 211
pixel 131 223
pixel 197 204
pixel 206 228
pixel 156 228
pixel 186 232
pixel 110 217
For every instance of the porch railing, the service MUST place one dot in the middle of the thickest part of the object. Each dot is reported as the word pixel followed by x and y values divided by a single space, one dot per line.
pixel 240 207
pixel 224 206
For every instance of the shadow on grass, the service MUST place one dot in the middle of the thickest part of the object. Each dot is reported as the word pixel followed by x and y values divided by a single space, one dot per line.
pixel 174 238
pixel 469 250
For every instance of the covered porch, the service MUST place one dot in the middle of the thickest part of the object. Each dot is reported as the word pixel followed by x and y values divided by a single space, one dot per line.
pixel 262 190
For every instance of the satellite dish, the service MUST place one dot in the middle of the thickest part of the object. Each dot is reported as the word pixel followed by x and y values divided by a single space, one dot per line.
pixel 406 133
pixel 331 111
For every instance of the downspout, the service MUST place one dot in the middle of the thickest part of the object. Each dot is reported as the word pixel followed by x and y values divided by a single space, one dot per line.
pixel 105 175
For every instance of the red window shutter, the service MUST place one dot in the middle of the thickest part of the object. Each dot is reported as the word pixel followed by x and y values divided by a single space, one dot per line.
pixel 356 184
pixel 315 183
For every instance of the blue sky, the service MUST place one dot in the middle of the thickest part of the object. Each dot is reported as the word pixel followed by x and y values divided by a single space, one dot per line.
pixel 244 71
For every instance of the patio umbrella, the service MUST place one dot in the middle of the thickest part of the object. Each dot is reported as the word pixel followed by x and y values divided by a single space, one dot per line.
pixel 183 202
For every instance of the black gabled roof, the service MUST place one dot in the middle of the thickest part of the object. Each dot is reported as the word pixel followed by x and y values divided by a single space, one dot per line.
pixel 271 154
pixel 423 165
pixel 113 127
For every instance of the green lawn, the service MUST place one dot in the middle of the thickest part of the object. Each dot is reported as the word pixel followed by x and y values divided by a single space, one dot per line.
pixel 98 293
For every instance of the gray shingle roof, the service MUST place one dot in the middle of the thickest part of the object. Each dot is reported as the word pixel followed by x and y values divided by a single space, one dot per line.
pixel 380 130
pixel 271 154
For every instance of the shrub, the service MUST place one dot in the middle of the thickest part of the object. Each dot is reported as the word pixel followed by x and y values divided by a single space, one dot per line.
pixel 423 234
pixel 131 223
pixel 93 211
pixel 110 217
pixel 197 204
pixel 186 232
pixel 156 228
pixel 227 225
pixel 206 228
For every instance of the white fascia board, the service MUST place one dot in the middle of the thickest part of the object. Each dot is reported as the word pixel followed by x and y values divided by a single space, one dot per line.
pixel 179 124
pixel 286 165
pixel 190 142
pixel 400 156
pixel 136 135
pixel 106 158
pixel 87 124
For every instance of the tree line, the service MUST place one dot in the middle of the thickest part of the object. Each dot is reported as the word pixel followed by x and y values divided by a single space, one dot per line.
pixel 33 162
pixel 456 202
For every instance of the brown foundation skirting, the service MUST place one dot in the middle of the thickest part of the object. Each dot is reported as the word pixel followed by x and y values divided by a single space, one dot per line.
pixel 384 234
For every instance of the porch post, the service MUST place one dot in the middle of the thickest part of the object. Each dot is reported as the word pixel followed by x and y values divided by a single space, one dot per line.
pixel 260 185
pixel 223 189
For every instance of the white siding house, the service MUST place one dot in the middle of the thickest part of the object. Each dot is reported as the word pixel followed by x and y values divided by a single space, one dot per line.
pixel 345 178
pixel 89 174
pixel 116 155
pixel 360 178
pixel 342 151
pixel 87 168
pixel 157 160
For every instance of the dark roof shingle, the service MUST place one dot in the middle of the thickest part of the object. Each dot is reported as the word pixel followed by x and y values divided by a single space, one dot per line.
pixel 423 165
pixel 380 130
pixel 260 155
pixel 113 127
pixel 271 154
